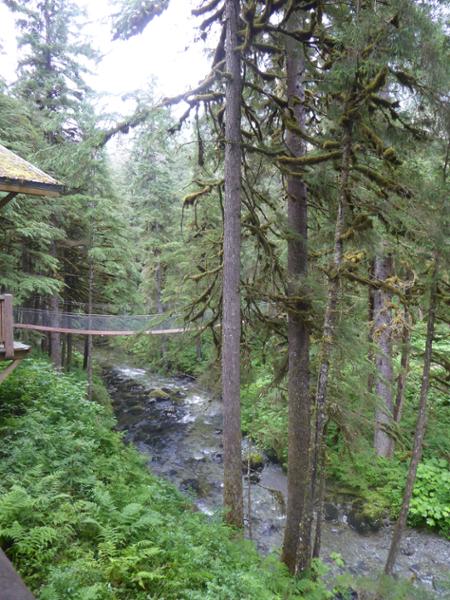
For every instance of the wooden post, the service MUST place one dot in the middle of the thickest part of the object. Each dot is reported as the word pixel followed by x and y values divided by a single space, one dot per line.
pixel 7 326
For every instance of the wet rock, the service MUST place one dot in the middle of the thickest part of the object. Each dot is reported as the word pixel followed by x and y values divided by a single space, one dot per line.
pixel 135 409
pixel 217 457
pixel 281 502
pixel 159 394
pixel 330 512
pixel 348 595
pixel 191 486
pixel 362 522
pixel 256 460
pixel 407 549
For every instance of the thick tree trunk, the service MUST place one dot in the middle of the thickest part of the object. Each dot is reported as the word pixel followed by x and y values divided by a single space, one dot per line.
pixel 329 328
pixel 231 323
pixel 382 333
pixel 297 535
pixel 420 428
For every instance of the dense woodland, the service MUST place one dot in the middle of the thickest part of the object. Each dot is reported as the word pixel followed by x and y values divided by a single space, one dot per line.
pixel 296 217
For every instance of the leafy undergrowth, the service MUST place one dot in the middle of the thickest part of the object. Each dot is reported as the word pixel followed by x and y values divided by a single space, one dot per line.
pixel 82 519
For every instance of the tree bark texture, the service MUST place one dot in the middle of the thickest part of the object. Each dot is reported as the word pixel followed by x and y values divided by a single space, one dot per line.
pixel 404 368
pixel 231 322
pixel 370 320
pixel 55 338
pixel 297 534
pixel 90 344
pixel 382 334
pixel 69 354
pixel 420 427
pixel 329 327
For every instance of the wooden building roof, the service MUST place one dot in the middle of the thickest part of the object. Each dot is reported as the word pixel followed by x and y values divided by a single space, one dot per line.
pixel 18 176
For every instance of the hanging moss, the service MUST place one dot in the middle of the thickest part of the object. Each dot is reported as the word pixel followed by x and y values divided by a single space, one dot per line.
pixel 373 138
pixel 190 199
pixel 329 144
pixel 377 82
pixel 292 125
pixel 310 159
pixel 382 181
pixel 391 156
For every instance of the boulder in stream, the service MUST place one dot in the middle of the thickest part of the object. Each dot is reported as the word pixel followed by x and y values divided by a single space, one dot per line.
pixel 159 394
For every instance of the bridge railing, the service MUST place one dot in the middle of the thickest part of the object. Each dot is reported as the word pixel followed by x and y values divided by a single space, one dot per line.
pixel 41 318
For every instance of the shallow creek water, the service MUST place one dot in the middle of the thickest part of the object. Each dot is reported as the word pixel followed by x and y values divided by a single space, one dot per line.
pixel 179 426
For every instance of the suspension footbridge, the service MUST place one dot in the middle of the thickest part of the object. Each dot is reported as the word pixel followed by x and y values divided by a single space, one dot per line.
pixel 98 324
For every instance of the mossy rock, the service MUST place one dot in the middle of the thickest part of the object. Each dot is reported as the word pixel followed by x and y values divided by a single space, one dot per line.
pixel 159 394
pixel 256 460
pixel 364 519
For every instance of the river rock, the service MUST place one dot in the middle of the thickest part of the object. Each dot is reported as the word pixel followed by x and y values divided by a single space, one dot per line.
pixel 159 394
pixel 191 485
pixel 407 549
pixel 252 459
pixel 330 512
pixel 361 522
pixel 135 409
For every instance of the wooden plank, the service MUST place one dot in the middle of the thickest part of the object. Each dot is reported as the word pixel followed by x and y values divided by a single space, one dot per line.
pixel 11 585
pixel 33 190
pixel 20 351
pixel 6 373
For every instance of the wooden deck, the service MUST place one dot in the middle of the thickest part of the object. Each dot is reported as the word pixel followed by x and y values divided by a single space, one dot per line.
pixel 11 585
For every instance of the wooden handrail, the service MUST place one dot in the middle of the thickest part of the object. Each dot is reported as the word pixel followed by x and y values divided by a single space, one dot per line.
pixel 7 325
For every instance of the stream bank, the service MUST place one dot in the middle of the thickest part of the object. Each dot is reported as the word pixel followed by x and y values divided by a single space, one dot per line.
pixel 178 427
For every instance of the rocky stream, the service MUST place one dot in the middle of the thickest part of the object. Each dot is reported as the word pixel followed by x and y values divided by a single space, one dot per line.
pixel 178 427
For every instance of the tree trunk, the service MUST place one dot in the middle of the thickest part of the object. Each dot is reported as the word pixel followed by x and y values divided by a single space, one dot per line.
pixel 404 368
pixel 198 348
pixel 89 364
pixel 86 353
pixel 231 323
pixel 69 352
pixel 297 531
pixel 159 272
pixel 55 338
pixel 370 319
pixel 420 427
pixel 382 333
pixel 329 328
